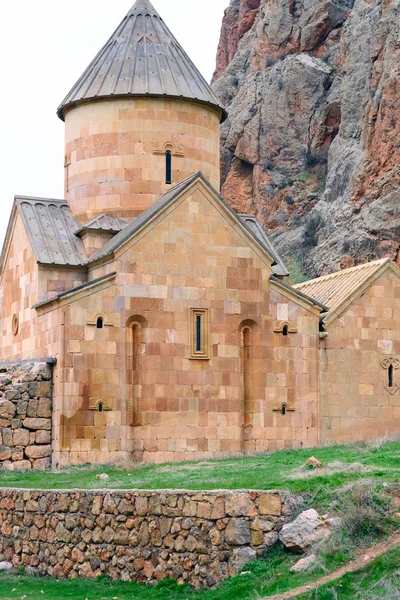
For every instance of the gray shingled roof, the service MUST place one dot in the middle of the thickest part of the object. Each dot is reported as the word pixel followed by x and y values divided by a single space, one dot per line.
pixel 142 58
pixel 260 233
pixel 129 231
pixel 104 223
pixel 50 228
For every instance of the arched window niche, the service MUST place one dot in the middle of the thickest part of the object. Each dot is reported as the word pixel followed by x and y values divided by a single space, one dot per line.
pixel 135 349
pixel 247 334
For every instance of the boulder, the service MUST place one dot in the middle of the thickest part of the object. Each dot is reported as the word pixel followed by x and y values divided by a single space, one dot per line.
pixel 239 558
pixel 304 563
pixel 5 566
pixel 313 463
pixel 305 531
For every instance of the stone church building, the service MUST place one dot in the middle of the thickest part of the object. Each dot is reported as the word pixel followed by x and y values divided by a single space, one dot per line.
pixel 173 331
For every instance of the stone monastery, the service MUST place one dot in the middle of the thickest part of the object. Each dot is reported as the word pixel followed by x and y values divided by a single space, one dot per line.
pixel 166 314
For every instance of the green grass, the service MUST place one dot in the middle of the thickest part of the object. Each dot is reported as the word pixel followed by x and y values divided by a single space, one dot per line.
pixel 266 472
pixel 380 580
pixel 264 577
pixel 280 470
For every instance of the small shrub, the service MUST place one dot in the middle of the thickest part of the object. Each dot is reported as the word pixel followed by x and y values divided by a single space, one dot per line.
pixel 270 61
pixel 289 200
pixel 313 225
pixel 366 513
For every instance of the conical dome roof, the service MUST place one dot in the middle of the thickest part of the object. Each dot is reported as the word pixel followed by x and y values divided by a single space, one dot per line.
pixel 142 58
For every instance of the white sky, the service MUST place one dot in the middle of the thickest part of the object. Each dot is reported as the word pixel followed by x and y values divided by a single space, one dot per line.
pixel 45 46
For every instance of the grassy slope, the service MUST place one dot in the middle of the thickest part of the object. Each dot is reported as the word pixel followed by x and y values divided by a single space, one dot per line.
pixel 271 471
pixel 379 581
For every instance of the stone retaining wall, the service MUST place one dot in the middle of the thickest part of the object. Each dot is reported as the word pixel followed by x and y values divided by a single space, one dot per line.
pixel 195 537
pixel 25 415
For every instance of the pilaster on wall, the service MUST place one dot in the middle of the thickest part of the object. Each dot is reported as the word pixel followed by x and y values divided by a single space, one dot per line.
pixel 26 406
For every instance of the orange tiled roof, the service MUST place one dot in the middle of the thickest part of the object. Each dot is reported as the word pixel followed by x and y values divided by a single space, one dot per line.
pixel 335 289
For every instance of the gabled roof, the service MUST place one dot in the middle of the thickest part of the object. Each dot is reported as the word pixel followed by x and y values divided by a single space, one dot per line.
pixel 141 58
pixel 50 228
pixel 261 234
pixel 103 223
pixel 338 290
pixel 132 228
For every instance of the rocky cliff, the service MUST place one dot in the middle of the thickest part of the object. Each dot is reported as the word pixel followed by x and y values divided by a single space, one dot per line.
pixel 312 143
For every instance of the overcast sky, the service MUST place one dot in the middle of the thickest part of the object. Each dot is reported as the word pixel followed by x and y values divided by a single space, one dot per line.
pixel 45 46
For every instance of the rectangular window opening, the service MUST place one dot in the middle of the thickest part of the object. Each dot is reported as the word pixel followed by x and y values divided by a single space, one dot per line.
pixel 199 333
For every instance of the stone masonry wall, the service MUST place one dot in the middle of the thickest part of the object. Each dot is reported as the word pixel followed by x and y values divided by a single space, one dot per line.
pixel 25 415
pixel 195 537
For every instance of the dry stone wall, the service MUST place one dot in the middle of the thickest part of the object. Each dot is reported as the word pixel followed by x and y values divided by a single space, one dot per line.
pixel 25 415
pixel 198 538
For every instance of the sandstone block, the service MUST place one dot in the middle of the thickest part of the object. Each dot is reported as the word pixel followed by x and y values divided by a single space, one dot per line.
pixel 39 389
pixel 17 454
pixel 238 505
pixel 237 532
pixel 11 395
pixel 32 408
pixel 142 506
pixel 22 465
pixel 38 423
pixel 43 437
pixel 5 452
pixel 7 409
pixel 44 408
pixel 7 435
pixel 270 505
pixel 38 451
pixel 62 534
pixel 22 406
pixel 21 437
pixel 41 464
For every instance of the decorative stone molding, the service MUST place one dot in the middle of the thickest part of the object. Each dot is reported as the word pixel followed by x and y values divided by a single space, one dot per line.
pixel 279 326
pixel 99 405
pixel 176 149
pixel 283 408
pixel 391 361
pixel 15 324
pixel 93 318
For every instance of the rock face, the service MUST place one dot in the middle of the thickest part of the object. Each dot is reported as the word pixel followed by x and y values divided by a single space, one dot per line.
pixel 25 416
pixel 312 143
pixel 305 531
pixel 143 535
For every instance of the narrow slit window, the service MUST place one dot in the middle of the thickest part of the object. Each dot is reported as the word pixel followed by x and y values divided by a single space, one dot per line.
pixel 285 330
pixel 168 166
pixel 390 376
pixel 100 407
pixel 100 323
pixel 199 334
pixel 283 410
